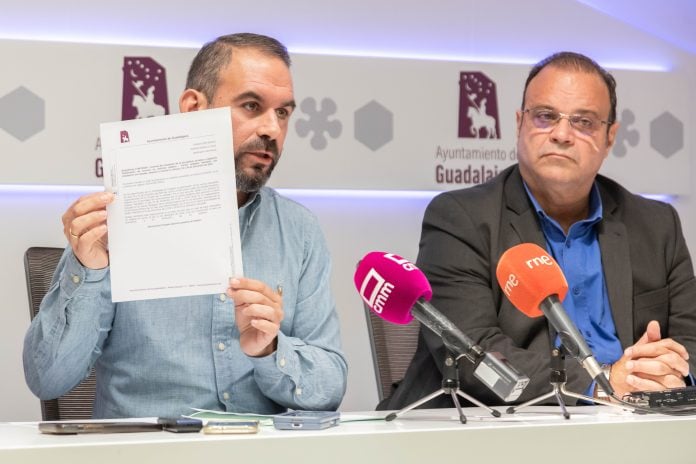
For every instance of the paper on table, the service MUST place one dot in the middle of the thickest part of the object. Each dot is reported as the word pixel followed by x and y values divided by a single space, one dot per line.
pixel 173 226
pixel 208 414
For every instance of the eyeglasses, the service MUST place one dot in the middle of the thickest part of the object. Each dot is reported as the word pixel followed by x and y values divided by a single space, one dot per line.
pixel 546 118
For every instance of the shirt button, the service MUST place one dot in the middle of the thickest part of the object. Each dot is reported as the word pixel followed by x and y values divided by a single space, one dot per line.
pixel 282 362
pixel 226 396
pixel 76 279
pixel 222 297
pixel 221 346
pixel 576 290
pixel 298 391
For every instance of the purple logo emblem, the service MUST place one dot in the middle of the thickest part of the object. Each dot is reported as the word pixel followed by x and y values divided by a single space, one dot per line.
pixel 144 88
pixel 125 138
pixel 478 106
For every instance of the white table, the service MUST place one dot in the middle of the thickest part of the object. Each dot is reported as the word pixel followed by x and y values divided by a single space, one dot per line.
pixel 593 435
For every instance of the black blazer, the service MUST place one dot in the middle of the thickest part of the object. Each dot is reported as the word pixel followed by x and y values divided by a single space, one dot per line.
pixel 647 268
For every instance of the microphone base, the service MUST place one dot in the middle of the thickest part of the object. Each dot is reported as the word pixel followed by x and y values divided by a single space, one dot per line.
pixel 450 386
pixel 558 391
pixel 558 382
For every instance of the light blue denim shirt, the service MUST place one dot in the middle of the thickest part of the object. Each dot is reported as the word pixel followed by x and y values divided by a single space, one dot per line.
pixel 162 357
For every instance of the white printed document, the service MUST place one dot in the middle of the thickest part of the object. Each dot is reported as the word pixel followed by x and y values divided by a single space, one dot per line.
pixel 173 225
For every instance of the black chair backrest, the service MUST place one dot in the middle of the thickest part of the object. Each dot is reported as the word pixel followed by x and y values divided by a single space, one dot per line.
pixel 39 265
pixel 393 347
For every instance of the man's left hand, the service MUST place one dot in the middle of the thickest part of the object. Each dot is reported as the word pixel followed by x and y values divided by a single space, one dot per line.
pixel 653 363
pixel 258 313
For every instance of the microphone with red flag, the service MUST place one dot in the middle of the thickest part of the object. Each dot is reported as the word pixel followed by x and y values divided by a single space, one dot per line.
pixel 397 291
pixel 535 284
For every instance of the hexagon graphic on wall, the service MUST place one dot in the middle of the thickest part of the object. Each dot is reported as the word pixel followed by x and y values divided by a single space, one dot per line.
pixel 22 113
pixel 374 125
pixel 666 134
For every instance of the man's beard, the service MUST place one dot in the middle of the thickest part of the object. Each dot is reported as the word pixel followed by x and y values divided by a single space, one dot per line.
pixel 252 182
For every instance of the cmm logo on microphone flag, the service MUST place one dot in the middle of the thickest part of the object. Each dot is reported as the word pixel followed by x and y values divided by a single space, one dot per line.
pixel 478 106
pixel 375 290
pixel 390 285
pixel 144 88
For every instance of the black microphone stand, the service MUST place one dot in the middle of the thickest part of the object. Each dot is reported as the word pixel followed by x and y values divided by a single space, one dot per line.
pixel 450 386
pixel 558 379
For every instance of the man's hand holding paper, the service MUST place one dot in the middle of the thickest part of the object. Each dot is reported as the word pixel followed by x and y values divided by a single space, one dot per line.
pixel 258 314
pixel 84 225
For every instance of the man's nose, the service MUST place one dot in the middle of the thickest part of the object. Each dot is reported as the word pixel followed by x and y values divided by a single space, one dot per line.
pixel 563 131
pixel 269 125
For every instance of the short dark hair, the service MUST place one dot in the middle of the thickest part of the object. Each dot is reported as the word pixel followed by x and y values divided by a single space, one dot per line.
pixel 216 55
pixel 579 62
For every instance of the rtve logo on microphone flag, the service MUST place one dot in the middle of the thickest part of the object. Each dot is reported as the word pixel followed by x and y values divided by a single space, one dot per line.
pixel 532 263
pixel 478 106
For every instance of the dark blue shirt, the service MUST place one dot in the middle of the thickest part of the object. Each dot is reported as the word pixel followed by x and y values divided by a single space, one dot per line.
pixel 580 258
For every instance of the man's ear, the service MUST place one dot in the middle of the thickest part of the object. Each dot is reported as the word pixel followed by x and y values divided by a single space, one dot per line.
pixel 192 100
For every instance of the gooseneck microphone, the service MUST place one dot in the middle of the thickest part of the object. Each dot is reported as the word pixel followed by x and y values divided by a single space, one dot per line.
pixel 397 291
pixel 534 283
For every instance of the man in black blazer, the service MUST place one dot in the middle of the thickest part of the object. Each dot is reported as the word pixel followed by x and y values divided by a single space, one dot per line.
pixel 632 287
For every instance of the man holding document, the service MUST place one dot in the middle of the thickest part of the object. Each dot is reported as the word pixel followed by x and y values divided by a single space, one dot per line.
pixel 269 342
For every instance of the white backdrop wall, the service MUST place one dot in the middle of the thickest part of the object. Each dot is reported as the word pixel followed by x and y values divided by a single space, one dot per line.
pixel 353 225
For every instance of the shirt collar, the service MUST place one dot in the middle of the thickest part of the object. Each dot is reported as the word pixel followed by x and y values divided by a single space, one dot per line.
pixel 595 213
pixel 248 209
pixel 252 200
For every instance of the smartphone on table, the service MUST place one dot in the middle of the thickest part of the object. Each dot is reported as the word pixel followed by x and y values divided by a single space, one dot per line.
pixel 224 427
pixel 306 420
pixel 73 428
pixel 180 424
